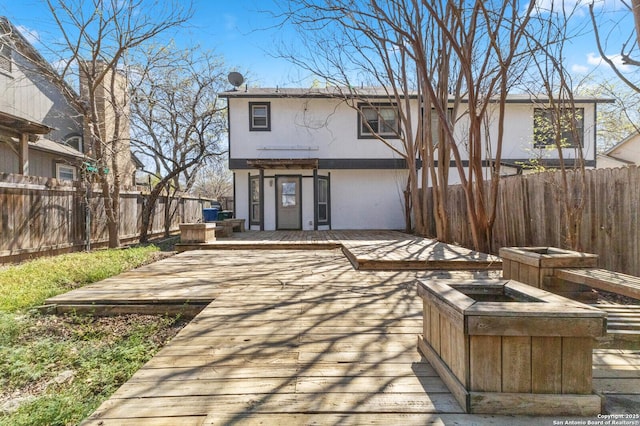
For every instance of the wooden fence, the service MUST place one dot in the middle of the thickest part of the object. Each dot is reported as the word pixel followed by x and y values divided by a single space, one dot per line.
pixel 45 216
pixel 531 213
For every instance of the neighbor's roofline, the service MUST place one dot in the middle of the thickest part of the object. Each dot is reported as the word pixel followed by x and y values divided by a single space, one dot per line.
pixel 371 93
pixel 37 57
pixel 622 142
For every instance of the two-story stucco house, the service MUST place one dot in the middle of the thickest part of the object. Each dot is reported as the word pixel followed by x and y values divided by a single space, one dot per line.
pixel 306 159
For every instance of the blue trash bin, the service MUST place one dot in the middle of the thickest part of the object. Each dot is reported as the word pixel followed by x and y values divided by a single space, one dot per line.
pixel 210 215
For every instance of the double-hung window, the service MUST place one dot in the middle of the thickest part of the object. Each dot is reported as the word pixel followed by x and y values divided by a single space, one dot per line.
pixel 254 200
pixel 436 126
pixel 378 121
pixel 558 127
pixel 65 172
pixel 259 116
pixel 323 200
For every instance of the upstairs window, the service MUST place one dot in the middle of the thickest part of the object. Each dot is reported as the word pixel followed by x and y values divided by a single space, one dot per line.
pixel 74 142
pixel 564 127
pixel 435 123
pixel 378 120
pixel 259 116
pixel 5 58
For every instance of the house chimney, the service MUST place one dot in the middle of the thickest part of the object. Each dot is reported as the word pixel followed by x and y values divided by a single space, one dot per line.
pixel 109 98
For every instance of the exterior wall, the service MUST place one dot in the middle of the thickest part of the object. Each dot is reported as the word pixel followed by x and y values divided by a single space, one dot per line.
pixel 7 92
pixel 26 93
pixel 518 140
pixel 8 159
pixel 360 199
pixel 367 199
pixel 29 95
pixel 302 128
pixel 362 195
pixel 607 162
pixel 328 128
pixel 41 163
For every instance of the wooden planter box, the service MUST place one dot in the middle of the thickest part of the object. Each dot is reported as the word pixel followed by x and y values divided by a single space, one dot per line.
pixel 536 265
pixel 197 232
pixel 503 347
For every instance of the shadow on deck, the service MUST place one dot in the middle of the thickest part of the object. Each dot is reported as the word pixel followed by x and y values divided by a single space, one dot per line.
pixel 294 336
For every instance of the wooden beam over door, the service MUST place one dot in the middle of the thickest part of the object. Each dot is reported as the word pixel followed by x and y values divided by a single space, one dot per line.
pixel 288 163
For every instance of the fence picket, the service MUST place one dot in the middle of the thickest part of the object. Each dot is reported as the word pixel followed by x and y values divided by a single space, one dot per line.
pixel 43 216
pixel 531 213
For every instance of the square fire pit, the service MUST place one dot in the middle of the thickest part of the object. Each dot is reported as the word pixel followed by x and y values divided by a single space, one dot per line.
pixel 536 266
pixel 503 347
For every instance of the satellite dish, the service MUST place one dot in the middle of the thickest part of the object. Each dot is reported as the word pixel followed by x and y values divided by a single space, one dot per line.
pixel 236 79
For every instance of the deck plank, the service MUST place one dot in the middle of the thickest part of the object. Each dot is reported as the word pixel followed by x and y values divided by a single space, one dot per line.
pixel 299 336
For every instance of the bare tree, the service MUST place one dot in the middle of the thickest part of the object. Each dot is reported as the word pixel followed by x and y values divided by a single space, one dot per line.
pixel 214 181
pixel 488 41
pixel 558 121
pixel 616 120
pixel 628 49
pixel 98 36
pixel 178 121
pixel 458 59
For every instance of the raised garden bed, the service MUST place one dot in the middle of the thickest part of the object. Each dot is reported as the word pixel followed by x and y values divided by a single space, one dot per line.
pixel 503 347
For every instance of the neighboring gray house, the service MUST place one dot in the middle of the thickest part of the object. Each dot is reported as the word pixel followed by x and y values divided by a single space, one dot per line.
pixel 41 132
pixel 624 153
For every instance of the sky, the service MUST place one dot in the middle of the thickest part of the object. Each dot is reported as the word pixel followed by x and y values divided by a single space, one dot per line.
pixel 244 33
pixel 241 31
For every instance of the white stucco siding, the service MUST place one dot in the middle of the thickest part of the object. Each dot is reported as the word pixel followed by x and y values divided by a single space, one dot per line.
pixel 241 196
pixel 367 199
pixel 328 128
pixel 359 199
pixel 302 128
pixel 519 141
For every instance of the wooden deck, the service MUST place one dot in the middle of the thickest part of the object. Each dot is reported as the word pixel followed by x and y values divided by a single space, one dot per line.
pixel 367 250
pixel 298 337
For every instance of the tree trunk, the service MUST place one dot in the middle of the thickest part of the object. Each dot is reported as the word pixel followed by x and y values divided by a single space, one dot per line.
pixel 148 210
pixel 112 209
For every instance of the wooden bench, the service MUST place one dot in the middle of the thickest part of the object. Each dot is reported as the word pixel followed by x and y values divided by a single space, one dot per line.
pixel 602 279
pixel 236 224
pixel 623 321
pixel 223 228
